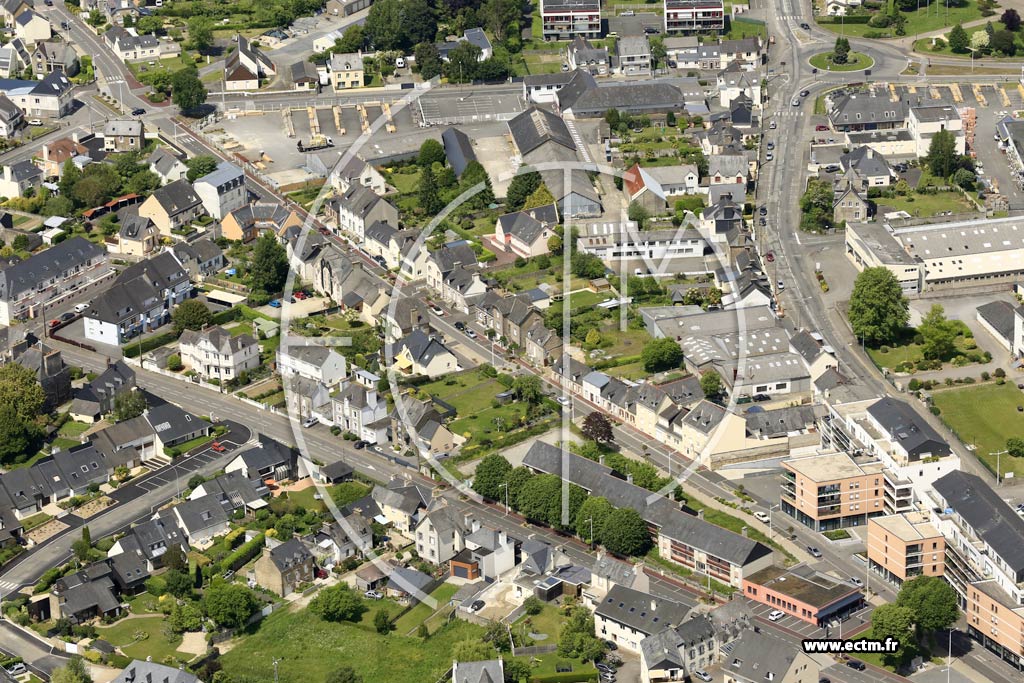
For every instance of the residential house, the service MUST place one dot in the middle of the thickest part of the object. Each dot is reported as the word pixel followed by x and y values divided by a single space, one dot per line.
pixel 51 97
pixel 233 491
pixel 307 398
pixel 97 397
pixel 336 542
pixel 137 236
pixel 693 16
pixel 202 257
pixel 420 354
pixel 407 314
pixel 388 243
pixel 173 207
pixel 850 110
pixel 9 9
pixel 849 205
pixel 347 71
pixel 150 540
pixel 129 46
pixel 54 54
pixel 357 209
pixel 52 374
pixel 268 460
pixel 32 27
pixel 633 54
pixel 510 316
pixel 20 178
pixel 166 166
pixel 487 553
pixel 865 168
pixel 200 519
pixel 318 363
pixel 53 155
pixel 543 345
pixel 11 118
pixel 566 19
pixel 337 277
pixel 461 288
pixel 355 171
pixel 361 411
pixel 85 594
pixel 655 188
pixel 418 425
pixel 674 653
pixel 526 233
pixel 446 259
pixel 46 278
pixel 223 190
pixel 923 122
pixel 245 222
pixel 401 503
pixel 123 135
pixel 439 533
pixel 246 65
pixel 146 672
pixel 582 55
pixel 214 353
pixel 626 617
pixel 759 656
pixel 284 567
pixel 492 670
pixel 304 76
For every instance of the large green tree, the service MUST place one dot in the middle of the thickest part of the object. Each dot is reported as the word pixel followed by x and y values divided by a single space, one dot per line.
pixel 527 388
pixel 878 310
pixel 428 60
pixel 931 601
pixel 577 638
pixel 711 384
pixel 268 270
pixel 958 39
pixel 541 499
pixel 338 603
pixel 191 314
pixel 431 152
pixel 939 334
pixel 522 186
pixel 625 532
pixel 841 51
pixel 463 63
pixel 490 474
pixel 229 604
pixel 200 32
pixel 20 391
pixel 892 621
pixel 472 175
pixel 427 196
pixel 661 354
pixel 499 16
pixel 942 155
pixel 594 509
pixel 74 671
pixel 187 92
pixel 200 165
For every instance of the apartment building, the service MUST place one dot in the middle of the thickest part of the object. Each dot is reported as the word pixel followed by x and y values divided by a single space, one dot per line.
pixel 566 19
pixel 906 545
pixel 223 190
pixel 832 491
pixel 996 622
pixel 694 16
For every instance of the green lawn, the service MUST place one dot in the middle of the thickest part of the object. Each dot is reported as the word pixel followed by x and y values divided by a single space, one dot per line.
pixel 73 430
pixel 549 622
pixel 542 63
pixel 142 637
pixel 739 29
pixel 309 649
pixel 411 620
pixel 908 352
pixel 471 395
pixel 343 494
pixel 855 62
pixel 38 519
pixel 404 181
pixel 985 416
pixel 633 371
pixel 622 342
pixel 926 205
pixel 927 19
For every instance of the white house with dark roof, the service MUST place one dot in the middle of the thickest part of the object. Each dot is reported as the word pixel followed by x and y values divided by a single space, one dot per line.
pixel 318 363
pixel 123 135
pixel 214 353
pixel 419 354
pixel 760 655
pixel 201 520
pixel 18 178
pixel 866 168
pixel 526 233
pixel 173 206
pixel 626 616
pixel 223 190
pixel 140 671
pixel 358 208
pixel 268 460
pixel 582 55
pixel 284 567
pixel 246 65
pixel 166 166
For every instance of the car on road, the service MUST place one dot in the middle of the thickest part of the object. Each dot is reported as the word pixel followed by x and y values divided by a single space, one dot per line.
pixel 82 307
pixel 762 516
pixel 856 582
pixel 762 221
pixel 813 551
pixel 564 400
pixel 460 326
pixel 611 645
pixel 775 615
pixel 824 679
pixel 805 93
pixel 35 122
pixel 359 445
pixel 67 317
pixel 856 664
pixel 770 257
pixel 607 678
pixel 781 285
pixel 814 70
pixel 275 303
pixel 373 595
pixel 65 26
pixel 773 125
pixel 310 421
pixel 820 128
pixel 436 310
pixel 769 156
pixel 702 675
pixel 138 112
pixel 17 669
pixel 471 333
pixel 218 447
pixel 54 323
pixel 796 102
pixel 771 145
pixel 805 26
pixel 477 606
pixel 763 210
pixel 759 398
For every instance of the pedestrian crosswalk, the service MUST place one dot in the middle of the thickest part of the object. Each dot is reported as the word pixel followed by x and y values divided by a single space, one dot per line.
pixel 8 587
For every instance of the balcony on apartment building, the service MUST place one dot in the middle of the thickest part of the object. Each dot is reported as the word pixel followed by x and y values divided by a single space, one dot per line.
pixel 899 493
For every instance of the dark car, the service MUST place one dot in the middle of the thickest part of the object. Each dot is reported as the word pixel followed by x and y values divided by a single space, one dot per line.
pixel 64 25
pixel 610 644
pixel 761 397
pixel 477 606
pixel 814 70
pixel 805 93
pixel 824 679
pixel 764 210
pixel 358 445
pixel 856 664
pixel 67 316
pixel 805 26
pixel 459 325
pixel 762 221
pixel 138 112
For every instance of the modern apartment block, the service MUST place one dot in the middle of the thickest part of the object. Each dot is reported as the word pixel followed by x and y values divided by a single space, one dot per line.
pixel 566 19
pixel 903 546
pixel 694 16
pixel 832 491
pixel 984 560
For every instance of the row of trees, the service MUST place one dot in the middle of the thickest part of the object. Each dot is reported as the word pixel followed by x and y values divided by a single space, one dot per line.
pixel 924 605
pixel 988 40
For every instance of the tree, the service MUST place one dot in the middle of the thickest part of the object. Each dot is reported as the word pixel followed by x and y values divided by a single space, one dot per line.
pixel 711 384
pixel 878 310
pixel 939 334
pixel 191 314
pixel 382 622
pixel 816 205
pixel 20 390
pixel 522 186
pixel 540 197
pixel 55 206
pixel 174 363
pixel 185 616
pixel 149 24
pixel 1011 20
pixel 540 499
pixel 841 51
pixel 384 25
pixel 69 175
pixel 200 165
pixel 19 438
pixel 473 175
pixel 958 39
pixel 338 603
pixel 597 427
pixel 268 270
pixel 964 178
pixel 638 213
pixel 426 193
pixel 1015 447
pixel 596 508
pixel 228 604
pixel 74 671
pixel 517 479
pixel 624 532
pixel 200 33
pixel 174 559
pixel 931 601
pixel 472 650
pixel 499 16
pixel 81 549
pixel 1005 42
pixel 491 473
pixel 345 674
pixel 555 245
pixel 428 60
pixel 516 669
pixel 661 354
pixel 431 151
pixel 892 621
pixel 659 53
pixel 577 637
pixel 187 92
pixel 587 266
pixel 463 63
pixel 352 40
pixel 527 388
pixel 179 583
pixel 979 40
pixel 197 581
pixel 419 22
pixel 128 404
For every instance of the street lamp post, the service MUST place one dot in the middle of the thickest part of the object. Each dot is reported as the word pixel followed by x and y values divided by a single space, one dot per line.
pixel 999 469
pixel 771 529
pixel 591 520
pixel 505 486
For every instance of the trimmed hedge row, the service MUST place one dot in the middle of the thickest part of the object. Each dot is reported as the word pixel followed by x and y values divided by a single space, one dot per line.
pixel 243 554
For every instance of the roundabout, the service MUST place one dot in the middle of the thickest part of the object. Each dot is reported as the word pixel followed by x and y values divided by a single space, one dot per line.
pixel 855 61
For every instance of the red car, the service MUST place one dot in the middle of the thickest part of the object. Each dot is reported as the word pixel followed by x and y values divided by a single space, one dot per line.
pixel 54 323
pixel 218 447
pixel 300 295
pixel 820 128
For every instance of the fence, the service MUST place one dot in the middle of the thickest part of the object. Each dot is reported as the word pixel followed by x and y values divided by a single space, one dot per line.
pixel 533 650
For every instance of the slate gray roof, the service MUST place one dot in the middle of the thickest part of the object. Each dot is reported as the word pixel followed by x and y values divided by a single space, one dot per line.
pixel 200 514
pixel 269 453
pixel 999 315
pixel 991 518
pixel 663 647
pixel 140 671
pixel 865 109
pixel 303 72
pixel 360 200
pixel 408 580
pixel 154 536
pixel 23 170
pixel 535 127
pixel 705 416
pixel 118 127
pixel 628 96
pixel 163 161
pixel 422 348
pixel 908 428
pixel 225 175
pixel 529 224
pixel 806 346
pixel 639 611
pixel 760 656
pixel 133 225
pixel 866 162
pixel 489 671
pixel 458 149
pixel 221 339
pixel 232 489
pixel 780 421
pixel 177 197
pixel 41 267
pixel 289 554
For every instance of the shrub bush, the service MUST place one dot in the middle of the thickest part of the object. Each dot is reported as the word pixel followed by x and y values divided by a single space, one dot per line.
pixel 935 410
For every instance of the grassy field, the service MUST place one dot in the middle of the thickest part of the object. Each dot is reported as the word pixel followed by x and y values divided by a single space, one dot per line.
pixel 855 62
pixel 309 649
pixel 925 205
pixel 343 494
pixel 927 19
pixel 907 352
pixel 549 622
pixel 985 416
pixel 404 182
pixel 632 371
pixel 739 29
pixel 126 635
pixel 411 620
pixel 471 395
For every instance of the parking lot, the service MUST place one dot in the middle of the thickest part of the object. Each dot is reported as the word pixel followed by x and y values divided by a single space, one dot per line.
pixel 805 630
pixel 469 107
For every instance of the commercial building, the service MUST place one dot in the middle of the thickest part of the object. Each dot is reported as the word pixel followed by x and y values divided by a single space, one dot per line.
pixel 803 593
pixel 903 546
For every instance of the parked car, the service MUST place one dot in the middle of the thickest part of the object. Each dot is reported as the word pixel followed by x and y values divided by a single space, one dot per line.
pixel 359 445
pixel 775 615
pixel 782 285
pixel 35 122
pixel 460 326
pixel 813 551
pixel 769 156
pixel 856 582
pixel 820 128
pixel 471 333
pixel 275 303
pixel 824 679
pixel 564 400
pixel 602 667
pixel 300 295
pixel 218 447
pixel 373 595
pixel 763 210
pixel 771 145
pixel 762 221
pixel 856 664
pixel 436 310
pixel 66 317
pixel 17 669
pixel 805 93
pixel 82 307
pixel 477 606
pixel 773 125
pixel 758 398
pixel 762 516
pixel 310 421
pixel 702 675
pixel 54 323
pixel 805 26
pixel 796 102
pixel 611 645
pixel 138 112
